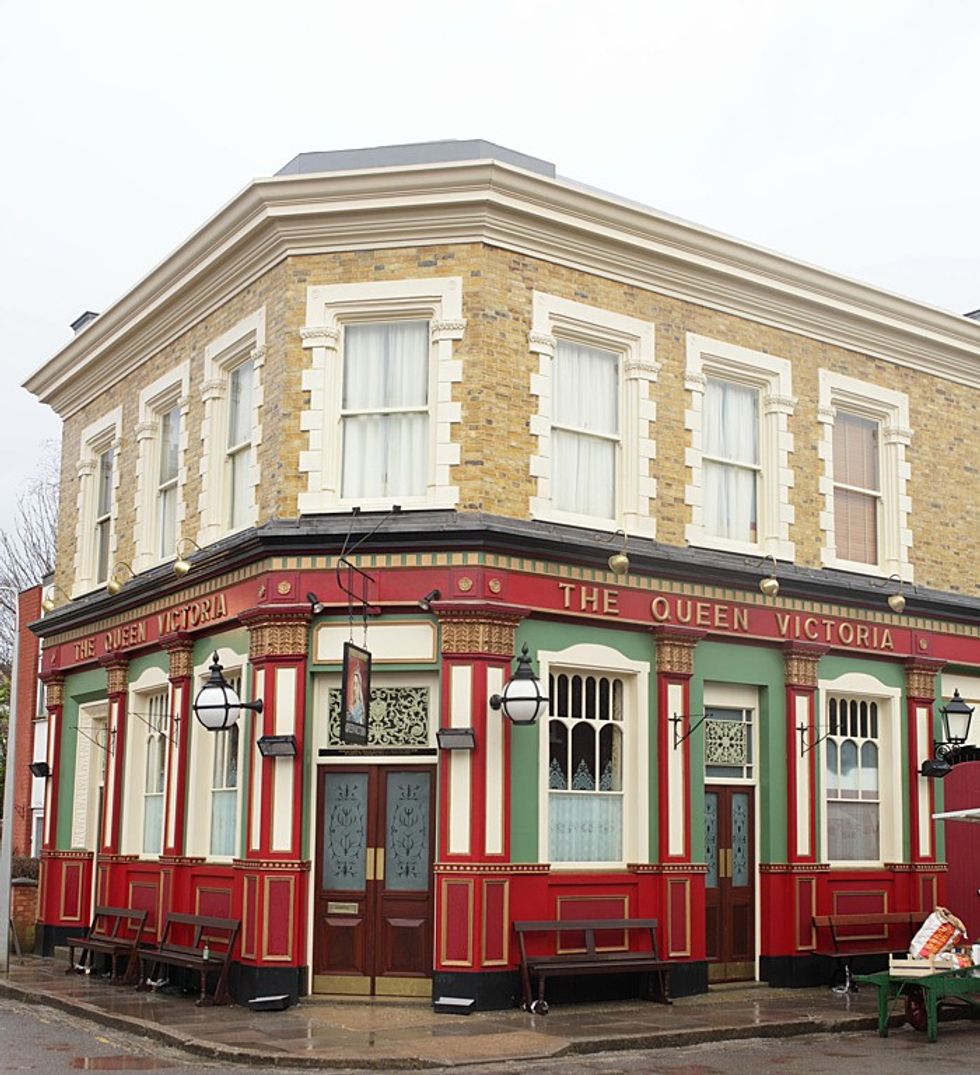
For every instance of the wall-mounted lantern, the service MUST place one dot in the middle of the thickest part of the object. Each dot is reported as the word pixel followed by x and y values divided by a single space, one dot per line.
pixel 522 701
pixel 217 706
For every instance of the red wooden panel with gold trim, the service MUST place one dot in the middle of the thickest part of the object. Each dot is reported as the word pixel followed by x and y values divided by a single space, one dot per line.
pixel 806 897
pixel 277 926
pixel 250 903
pixel 496 895
pixel 678 916
pixel 457 922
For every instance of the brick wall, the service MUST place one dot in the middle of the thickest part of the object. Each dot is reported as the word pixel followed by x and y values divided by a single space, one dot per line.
pixel 494 437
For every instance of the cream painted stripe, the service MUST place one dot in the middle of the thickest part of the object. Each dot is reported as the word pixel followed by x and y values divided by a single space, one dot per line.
pixel 804 799
pixel 284 768
pixel 460 703
pixel 255 840
pixel 924 740
pixel 110 780
pixel 495 767
pixel 675 776
pixel 53 723
pixel 177 731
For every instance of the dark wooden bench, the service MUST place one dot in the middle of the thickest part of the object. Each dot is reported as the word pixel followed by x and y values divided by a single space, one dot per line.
pixel 115 932
pixel 843 936
pixel 577 951
pixel 194 942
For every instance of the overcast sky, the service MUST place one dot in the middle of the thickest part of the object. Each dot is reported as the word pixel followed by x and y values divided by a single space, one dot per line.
pixel 842 133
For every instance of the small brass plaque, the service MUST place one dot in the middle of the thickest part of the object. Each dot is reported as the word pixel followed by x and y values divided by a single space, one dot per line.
pixel 341 908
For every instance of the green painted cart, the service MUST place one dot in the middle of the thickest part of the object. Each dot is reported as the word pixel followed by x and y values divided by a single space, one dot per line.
pixel 923 995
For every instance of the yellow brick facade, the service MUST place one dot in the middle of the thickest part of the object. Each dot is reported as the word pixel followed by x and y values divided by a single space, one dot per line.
pixel 495 441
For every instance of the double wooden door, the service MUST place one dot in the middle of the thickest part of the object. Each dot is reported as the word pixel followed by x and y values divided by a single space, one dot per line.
pixel 373 888
pixel 730 882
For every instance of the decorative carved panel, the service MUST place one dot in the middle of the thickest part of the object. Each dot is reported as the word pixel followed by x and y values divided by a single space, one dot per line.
pixel 399 717
pixel 181 651
pixel 800 664
pixel 55 692
pixel 117 669
pixel 478 631
pixel 675 649
pixel 276 633
pixel 920 679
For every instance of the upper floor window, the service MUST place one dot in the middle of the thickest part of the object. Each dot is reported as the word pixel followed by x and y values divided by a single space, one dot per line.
pixel 595 418
pixel 864 484
pixel 585 429
pixel 239 444
pixel 231 429
pixel 385 410
pixel 731 460
pixel 167 485
pixel 857 488
pixel 96 504
pixel 105 470
pixel 739 493
pixel 161 438
pixel 381 407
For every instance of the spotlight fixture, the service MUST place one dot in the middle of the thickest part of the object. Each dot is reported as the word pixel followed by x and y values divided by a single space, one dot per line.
pixel 40 768
pixel 316 605
pixel 935 768
pixel 770 584
pixel 49 604
pixel 182 565
pixel 277 746
pixel 425 603
pixel 115 583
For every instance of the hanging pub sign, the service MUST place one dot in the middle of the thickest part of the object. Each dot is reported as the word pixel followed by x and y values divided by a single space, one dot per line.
pixel 355 695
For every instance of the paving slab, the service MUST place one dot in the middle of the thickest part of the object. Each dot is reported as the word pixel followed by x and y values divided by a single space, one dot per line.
pixel 386 1033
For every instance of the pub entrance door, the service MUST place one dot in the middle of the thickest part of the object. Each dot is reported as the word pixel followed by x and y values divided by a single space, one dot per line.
pixel 373 887
pixel 730 882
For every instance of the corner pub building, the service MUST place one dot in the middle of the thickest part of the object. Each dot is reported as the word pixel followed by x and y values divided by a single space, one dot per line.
pixel 716 493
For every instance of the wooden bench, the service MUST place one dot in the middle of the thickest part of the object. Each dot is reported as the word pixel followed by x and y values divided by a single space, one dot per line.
pixel 194 942
pixel 843 936
pixel 114 932
pixel 577 952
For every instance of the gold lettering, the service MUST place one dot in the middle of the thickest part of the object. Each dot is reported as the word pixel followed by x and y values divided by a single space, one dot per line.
pixel 828 627
pixel 886 639
pixel 721 615
pixel 846 632
pixel 782 623
pixel 566 593
pixel 684 609
pixel 220 609
pixel 589 598
pixel 609 599
pixel 741 621
pixel 862 634
pixel 660 609
pixel 810 628
pixel 703 614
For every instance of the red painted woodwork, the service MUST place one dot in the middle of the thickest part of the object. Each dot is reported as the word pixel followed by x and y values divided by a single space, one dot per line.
pixel 729 906
pixel 962 792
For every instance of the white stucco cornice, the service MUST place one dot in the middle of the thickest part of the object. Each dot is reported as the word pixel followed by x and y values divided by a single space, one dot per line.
pixel 495 203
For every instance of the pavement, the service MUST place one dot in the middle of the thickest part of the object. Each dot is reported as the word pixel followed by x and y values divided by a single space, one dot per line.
pixel 383 1033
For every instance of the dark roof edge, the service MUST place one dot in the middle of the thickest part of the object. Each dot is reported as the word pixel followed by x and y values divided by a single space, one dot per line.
pixel 420 531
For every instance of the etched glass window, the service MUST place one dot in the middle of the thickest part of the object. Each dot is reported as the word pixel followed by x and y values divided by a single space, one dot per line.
pixel 851 785
pixel 585 768
pixel 224 782
pixel 728 743
pixel 407 831
pixel 398 717
pixel 157 730
pixel 345 832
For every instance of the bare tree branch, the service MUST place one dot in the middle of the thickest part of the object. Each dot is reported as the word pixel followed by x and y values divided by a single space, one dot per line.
pixel 27 549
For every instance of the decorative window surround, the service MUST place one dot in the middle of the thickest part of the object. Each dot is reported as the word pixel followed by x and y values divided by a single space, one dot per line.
pixel 891 410
pixel 772 377
pixel 589 659
pixel 329 307
pixel 97 438
pixel 865 687
pixel 155 400
pixel 734 696
pixel 244 342
pixel 554 318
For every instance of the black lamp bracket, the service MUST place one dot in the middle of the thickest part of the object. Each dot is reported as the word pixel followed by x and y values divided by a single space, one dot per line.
pixel 678 718
pixel 805 745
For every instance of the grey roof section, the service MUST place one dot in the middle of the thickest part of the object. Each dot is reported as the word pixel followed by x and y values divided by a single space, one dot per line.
pixel 973 315
pixel 343 160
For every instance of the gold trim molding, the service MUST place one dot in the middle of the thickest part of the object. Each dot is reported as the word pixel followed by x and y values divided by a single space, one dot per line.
pixel 675 649
pixel 54 687
pixel 276 632
pixel 920 679
pixel 180 649
pixel 800 663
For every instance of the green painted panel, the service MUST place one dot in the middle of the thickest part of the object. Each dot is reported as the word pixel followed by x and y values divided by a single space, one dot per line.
pixel 138 665
pixel 762 667
pixel 80 688
pixel 525 760
pixel 204 647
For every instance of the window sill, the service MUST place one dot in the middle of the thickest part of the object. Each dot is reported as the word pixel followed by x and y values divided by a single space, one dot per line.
pixel 782 550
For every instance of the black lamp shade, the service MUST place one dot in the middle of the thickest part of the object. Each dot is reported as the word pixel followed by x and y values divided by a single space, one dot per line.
pixel 522 701
pixel 956 716
pixel 277 746
pixel 217 706
pixel 40 768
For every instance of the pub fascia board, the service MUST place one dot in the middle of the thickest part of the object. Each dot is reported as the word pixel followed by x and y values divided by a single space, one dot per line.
pixel 486 201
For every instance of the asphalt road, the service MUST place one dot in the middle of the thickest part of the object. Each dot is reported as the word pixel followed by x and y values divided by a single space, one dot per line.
pixel 44 1040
